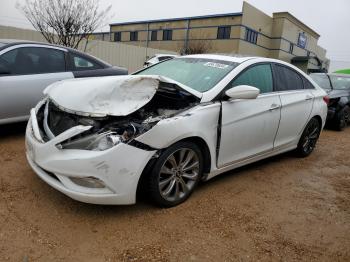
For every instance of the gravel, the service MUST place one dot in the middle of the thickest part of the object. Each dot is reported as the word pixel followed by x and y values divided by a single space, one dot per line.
pixel 281 209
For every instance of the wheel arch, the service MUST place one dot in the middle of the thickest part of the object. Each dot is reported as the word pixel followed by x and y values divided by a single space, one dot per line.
pixel 200 142
pixel 318 118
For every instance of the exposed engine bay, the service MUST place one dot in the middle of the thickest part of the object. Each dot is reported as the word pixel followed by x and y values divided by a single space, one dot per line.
pixel 107 131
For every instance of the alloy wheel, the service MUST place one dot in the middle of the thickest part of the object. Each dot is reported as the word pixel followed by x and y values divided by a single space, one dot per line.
pixel 310 137
pixel 178 174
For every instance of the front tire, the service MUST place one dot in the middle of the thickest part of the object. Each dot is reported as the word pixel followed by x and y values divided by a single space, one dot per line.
pixel 308 139
pixel 176 174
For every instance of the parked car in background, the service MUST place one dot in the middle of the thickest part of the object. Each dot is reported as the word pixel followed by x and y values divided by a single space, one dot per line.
pixel 177 122
pixel 26 68
pixel 158 58
pixel 338 88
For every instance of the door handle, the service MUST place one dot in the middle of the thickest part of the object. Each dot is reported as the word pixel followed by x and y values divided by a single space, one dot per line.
pixel 274 107
pixel 308 97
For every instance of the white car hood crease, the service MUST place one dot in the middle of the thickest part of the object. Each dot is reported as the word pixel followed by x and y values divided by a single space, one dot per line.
pixel 109 95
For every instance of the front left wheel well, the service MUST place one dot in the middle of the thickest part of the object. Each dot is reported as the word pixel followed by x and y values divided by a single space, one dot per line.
pixel 196 140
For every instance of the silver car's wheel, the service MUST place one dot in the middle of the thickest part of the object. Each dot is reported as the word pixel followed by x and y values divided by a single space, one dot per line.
pixel 179 174
pixel 175 174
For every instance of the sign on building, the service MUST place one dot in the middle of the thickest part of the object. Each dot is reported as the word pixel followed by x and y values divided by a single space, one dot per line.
pixel 302 40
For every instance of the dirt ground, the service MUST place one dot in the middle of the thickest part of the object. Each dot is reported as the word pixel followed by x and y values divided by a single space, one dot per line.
pixel 280 209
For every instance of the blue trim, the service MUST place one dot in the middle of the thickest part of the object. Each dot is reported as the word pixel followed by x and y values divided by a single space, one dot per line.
pixel 178 19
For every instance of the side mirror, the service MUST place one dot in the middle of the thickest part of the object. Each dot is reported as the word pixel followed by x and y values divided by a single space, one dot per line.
pixel 242 92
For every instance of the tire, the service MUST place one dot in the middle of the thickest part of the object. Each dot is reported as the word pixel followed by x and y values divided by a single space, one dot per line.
pixel 170 183
pixel 309 137
pixel 343 118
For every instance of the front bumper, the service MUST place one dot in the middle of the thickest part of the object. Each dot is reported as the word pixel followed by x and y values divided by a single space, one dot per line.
pixel 119 168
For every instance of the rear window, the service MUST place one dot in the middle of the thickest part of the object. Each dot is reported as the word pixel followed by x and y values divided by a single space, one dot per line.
pixel 198 73
pixel 340 82
pixel 287 79
pixel 322 80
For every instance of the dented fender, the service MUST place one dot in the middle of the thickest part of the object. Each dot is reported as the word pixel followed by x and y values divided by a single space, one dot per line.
pixel 185 125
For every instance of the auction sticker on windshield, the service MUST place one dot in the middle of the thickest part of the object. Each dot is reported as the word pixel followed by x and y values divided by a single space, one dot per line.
pixel 216 65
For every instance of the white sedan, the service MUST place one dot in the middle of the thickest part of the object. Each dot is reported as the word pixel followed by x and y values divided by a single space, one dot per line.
pixel 169 126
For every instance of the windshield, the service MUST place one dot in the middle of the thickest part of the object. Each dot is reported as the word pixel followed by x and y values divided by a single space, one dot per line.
pixel 322 80
pixel 198 73
pixel 340 82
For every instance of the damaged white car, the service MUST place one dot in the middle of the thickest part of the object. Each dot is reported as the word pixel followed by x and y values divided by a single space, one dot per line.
pixel 165 128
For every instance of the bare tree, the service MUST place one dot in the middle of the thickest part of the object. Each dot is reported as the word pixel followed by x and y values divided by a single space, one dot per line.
pixel 65 22
pixel 196 47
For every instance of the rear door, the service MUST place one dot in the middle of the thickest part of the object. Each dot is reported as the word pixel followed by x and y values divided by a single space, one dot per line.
pixel 31 68
pixel 296 101
pixel 249 126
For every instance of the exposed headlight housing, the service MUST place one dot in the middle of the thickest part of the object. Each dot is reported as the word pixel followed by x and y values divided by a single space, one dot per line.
pixel 95 142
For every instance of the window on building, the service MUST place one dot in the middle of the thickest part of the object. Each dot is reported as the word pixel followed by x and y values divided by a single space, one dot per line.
pixel 154 35
pixel 224 32
pixel 291 48
pixel 251 36
pixel 308 53
pixel 117 36
pixel 134 36
pixel 167 34
pixel 287 79
pixel 259 76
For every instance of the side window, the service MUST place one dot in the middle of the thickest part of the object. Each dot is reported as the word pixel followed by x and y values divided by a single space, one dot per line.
pixel 34 60
pixel 259 76
pixel 307 84
pixel 81 63
pixel 7 61
pixel 287 79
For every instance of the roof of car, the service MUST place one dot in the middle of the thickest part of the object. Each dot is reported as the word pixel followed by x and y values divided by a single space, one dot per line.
pixel 332 74
pixel 165 55
pixel 224 57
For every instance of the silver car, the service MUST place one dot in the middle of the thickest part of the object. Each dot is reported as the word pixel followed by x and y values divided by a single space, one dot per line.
pixel 26 68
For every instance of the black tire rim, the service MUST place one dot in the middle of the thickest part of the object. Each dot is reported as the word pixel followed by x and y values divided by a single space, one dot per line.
pixel 310 137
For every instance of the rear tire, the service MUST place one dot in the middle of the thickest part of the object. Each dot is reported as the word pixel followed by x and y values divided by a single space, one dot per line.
pixel 308 139
pixel 175 174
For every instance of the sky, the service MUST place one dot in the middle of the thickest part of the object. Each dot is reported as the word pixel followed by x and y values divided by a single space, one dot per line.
pixel 330 19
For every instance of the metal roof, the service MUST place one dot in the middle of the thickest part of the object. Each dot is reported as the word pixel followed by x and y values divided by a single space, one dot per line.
pixel 178 19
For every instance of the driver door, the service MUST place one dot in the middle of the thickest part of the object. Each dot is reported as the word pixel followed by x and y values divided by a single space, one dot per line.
pixel 249 126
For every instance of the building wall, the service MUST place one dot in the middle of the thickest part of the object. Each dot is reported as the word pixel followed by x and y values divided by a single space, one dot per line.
pixel 277 36
pixel 198 30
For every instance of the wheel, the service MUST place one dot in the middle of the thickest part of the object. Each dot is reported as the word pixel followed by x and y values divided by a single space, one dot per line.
pixel 309 138
pixel 343 118
pixel 175 174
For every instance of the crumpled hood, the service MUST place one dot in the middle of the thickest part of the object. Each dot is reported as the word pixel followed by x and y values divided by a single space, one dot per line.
pixel 109 95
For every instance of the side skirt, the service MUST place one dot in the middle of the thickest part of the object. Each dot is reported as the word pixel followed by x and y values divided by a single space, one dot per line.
pixel 243 162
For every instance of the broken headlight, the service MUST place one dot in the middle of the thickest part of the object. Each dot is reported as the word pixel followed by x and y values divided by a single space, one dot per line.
pixel 95 142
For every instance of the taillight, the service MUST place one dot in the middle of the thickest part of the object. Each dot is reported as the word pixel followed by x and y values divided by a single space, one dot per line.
pixel 326 100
